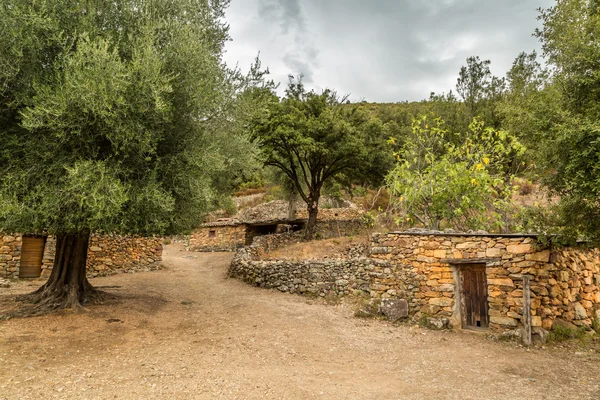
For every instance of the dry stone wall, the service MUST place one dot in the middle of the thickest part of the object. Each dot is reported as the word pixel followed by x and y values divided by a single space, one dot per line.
pixel 107 254
pixel 10 255
pixel 424 269
pixel 218 237
pixel 336 277
pixel 112 254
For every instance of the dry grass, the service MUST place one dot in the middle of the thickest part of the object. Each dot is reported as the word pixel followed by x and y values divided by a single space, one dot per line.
pixel 315 249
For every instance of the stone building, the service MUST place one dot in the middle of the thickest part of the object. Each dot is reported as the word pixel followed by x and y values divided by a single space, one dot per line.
pixel 32 256
pixel 229 234
pixel 480 281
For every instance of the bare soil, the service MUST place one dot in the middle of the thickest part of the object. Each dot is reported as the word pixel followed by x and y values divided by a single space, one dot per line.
pixel 188 332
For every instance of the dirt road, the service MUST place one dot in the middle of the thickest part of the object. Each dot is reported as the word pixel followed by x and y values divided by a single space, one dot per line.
pixel 188 332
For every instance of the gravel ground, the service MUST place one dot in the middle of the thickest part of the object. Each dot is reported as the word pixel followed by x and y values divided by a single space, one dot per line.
pixel 188 332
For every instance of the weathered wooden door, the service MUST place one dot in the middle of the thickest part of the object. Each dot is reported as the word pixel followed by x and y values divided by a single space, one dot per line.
pixel 32 252
pixel 474 301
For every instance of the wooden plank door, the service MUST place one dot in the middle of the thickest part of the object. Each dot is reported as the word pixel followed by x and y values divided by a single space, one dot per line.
pixel 32 252
pixel 474 297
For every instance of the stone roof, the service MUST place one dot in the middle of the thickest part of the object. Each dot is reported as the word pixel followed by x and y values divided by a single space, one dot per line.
pixel 276 212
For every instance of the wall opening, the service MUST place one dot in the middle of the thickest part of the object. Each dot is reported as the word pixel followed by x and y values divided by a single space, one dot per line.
pixel 32 253
pixel 212 234
pixel 259 230
pixel 473 292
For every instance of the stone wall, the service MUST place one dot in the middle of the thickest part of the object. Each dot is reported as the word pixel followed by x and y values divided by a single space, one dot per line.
pixel 314 277
pixel 333 228
pixel 110 254
pixel 424 270
pixel 230 237
pixel 333 214
pixel 10 255
pixel 218 237
pixel 107 254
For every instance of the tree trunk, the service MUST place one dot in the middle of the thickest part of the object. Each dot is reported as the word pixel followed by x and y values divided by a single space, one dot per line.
pixel 67 286
pixel 313 210
pixel 292 206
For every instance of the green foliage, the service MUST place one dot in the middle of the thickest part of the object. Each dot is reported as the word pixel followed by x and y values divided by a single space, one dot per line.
pixel 480 90
pixel 559 113
pixel 560 333
pixel 436 180
pixel 313 140
pixel 118 116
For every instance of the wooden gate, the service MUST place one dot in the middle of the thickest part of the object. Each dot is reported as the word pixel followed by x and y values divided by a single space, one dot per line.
pixel 474 296
pixel 32 252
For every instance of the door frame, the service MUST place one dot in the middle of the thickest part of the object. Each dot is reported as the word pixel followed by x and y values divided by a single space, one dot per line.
pixel 460 312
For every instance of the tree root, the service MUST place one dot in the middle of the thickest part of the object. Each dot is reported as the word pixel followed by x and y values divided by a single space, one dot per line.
pixel 46 300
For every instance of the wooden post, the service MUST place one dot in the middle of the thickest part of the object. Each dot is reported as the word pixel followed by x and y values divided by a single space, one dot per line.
pixel 526 311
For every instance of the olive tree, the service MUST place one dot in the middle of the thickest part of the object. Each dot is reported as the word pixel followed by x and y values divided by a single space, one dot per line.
pixel 114 117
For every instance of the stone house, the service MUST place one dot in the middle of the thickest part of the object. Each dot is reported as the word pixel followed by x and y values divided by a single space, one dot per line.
pixel 481 281
pixel 229 234
pixel 32 256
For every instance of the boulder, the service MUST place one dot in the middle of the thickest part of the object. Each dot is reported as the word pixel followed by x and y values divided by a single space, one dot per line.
pixel 394 309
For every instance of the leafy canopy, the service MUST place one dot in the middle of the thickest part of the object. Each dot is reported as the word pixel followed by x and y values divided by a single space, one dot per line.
pixel 437 181
pixel 115 116
pixel 562 110
pixel 313 139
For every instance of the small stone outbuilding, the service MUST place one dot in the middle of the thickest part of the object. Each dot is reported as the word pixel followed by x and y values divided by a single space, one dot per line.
pixel 478 281
pixel 229 234
pixel 32 256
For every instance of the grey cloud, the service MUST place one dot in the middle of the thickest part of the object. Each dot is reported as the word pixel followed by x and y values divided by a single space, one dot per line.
pixel 391 50
pixel 301 54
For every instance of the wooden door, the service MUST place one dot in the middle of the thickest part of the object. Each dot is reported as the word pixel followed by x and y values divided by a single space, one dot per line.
pixel 474 301
pixel 32 252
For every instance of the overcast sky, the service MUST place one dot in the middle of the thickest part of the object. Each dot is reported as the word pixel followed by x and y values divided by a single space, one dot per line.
pixel 380 50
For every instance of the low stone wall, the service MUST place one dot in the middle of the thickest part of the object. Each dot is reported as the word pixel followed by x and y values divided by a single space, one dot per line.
pixel 333 214
pixel 425 270
pixel 218 237
pixel 333 228
pixel 315 277
pixel 337 277
pixel 107 254
pixel 10 255
pixel 112 254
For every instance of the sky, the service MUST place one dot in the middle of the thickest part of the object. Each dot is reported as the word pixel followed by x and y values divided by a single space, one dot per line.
pixel 380 50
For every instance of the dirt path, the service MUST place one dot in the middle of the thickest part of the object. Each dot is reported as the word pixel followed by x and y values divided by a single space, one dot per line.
pixel 189 333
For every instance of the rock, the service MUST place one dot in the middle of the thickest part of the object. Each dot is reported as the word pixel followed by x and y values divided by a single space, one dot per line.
pixel 493 252
pixel 579 311
pixel 501 282
pixel 563 324
pixel 541 256
pixel 394 309
pixel 441 301
pixel 515 334
pixel 539 335
pixel 4 283
pixel 503 321
pixel 519 248
pixel 437 323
